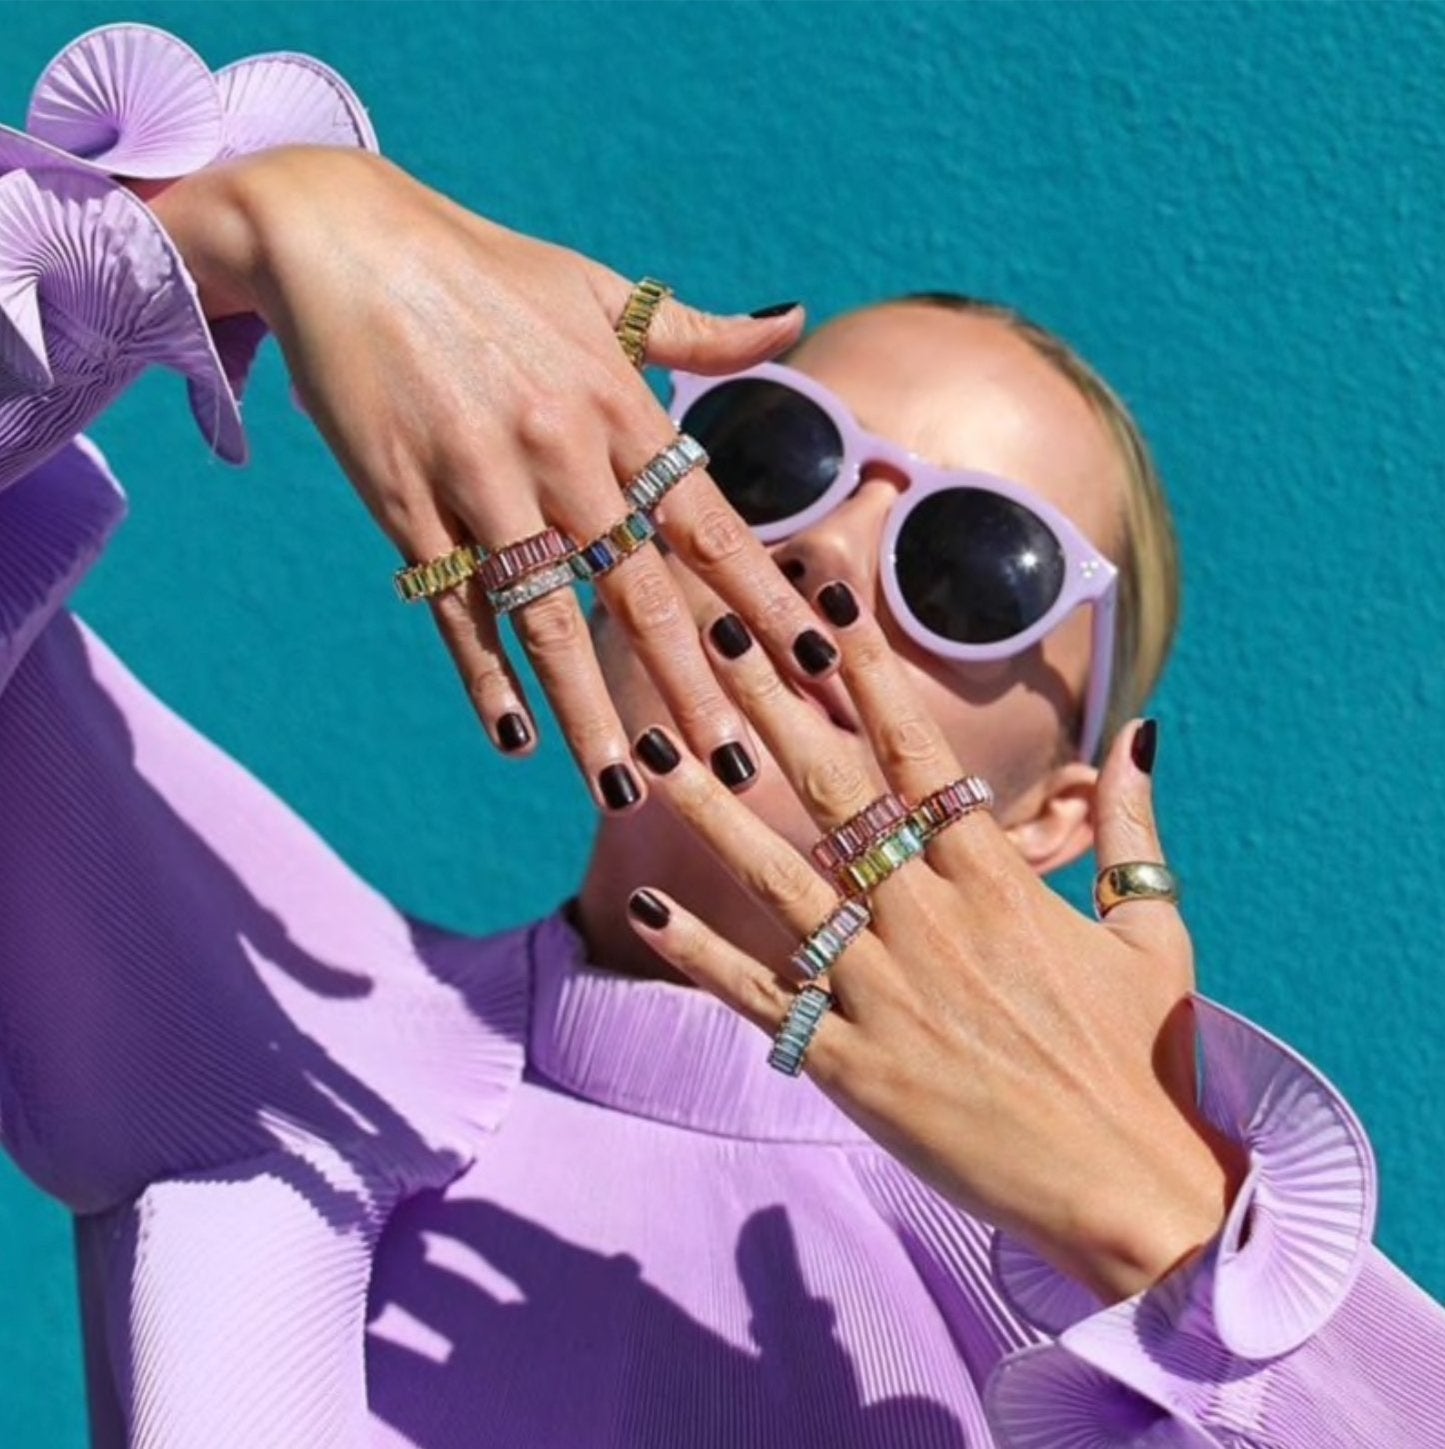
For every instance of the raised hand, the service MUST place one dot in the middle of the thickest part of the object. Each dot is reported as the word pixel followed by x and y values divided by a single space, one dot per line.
pixel 469 381
pixel 1034 1065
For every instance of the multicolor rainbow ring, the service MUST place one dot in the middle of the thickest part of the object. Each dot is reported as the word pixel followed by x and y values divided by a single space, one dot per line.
pixel 534 586
pixel 437 575
pixel 849 840
pixel 650 485
pixel 620 541
pixel 796 1033
pixel 496 568
pixel 820 951
pixel 949 805
pixel 637 314
pixel 880 861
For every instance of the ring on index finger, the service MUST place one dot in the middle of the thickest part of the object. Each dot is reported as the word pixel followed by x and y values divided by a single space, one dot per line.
pixel 637 314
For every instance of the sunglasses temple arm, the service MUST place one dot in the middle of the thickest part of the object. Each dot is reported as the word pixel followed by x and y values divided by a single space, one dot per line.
pixel 1101 671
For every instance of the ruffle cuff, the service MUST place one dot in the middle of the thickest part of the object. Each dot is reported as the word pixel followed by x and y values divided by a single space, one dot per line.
pixel 1191 1353
pixel 92 291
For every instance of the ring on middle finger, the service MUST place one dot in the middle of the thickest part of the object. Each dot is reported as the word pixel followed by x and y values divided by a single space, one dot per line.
pixel 620 542
pixel 498 567
pixel 879 861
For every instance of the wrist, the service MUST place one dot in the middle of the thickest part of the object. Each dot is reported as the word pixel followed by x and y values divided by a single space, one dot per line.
pixel 211 217
pixel 1151 1220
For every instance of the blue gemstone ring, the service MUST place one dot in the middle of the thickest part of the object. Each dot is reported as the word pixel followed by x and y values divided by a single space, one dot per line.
pixel 620 541
pixel 795 1035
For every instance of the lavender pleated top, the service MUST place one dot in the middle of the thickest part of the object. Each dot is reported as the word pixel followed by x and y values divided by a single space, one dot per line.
pixel 345 1179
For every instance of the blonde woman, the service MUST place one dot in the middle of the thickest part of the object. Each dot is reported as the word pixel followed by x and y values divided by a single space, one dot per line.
pixel 343 1178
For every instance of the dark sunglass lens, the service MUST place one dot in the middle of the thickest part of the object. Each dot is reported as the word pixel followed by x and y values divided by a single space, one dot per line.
pixel 977 567
pixel 774 452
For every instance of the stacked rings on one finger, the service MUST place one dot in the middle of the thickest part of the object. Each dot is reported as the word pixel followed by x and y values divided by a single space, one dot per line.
pixel 531 587
pixel 820 951
pixel 496 568
pixel 608 550
pixel 879 861
pixel 795 1035
pixel 650 485
pixel 637 314
pixel 436 576
pixel 949 805
pixel 849 840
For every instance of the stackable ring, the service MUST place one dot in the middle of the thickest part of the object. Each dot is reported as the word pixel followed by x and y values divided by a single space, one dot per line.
pixel 1134 880
pixel 437 575
pixel 649 486
pixel 620 541
pixel 496 568
pixel 880 861
pixel 795 1035
pixel 533 586
pixel 849 840
pixel 949 805
pixel 637 314
pixel 820 951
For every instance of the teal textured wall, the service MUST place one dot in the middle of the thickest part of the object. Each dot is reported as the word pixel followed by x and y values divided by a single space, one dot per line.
pixel 1235 210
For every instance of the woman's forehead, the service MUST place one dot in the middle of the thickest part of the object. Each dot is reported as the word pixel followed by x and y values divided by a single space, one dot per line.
pixel 967 391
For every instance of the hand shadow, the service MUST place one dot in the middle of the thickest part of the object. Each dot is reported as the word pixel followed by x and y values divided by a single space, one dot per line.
pixel 531 1340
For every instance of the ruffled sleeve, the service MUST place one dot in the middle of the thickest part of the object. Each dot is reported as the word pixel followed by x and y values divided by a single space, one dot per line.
pixel 1289 1330
pixel 93 292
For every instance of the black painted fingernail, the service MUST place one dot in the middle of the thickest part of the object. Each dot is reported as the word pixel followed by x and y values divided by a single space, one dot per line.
pixel 657 752
pixel 775 310
pixel 732 764
pixel 513 733
pixel 793 569
pixel 813 651
pixel 618 787
pixel 1144 745
pixel 731 636
pixel 645 907
pixel 838 604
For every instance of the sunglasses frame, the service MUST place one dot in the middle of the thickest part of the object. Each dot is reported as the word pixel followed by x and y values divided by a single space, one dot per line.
pixel 1089 577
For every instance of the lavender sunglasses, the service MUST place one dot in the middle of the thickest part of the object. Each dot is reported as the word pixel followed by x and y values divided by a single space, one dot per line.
pixel 974 567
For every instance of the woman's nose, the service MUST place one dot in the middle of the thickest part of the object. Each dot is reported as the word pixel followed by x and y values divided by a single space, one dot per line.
pixel 844 544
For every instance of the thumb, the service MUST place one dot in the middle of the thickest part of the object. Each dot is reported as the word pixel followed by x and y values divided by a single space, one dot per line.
pixel 1126 830
pixel 694 341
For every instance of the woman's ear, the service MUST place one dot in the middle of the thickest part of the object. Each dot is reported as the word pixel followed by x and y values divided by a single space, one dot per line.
pixel 1059 826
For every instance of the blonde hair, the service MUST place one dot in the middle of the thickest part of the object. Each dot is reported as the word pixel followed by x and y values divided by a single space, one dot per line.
pixel 1147 551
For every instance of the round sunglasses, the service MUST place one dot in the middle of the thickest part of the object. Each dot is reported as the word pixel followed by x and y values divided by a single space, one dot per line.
pixel 974 567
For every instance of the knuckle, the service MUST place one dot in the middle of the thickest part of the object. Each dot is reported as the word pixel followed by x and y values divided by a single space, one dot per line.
pixel 700 714
pixel 485 683
pixel 763 997
pixel 782 882
pixel 1132 814
pixel 718 538
pixel 834 787
pixel 906 741
pixel 549 625
pixel 869 654
pixel 454 609
pixel 648 602
pixel 773 614
pixel 761 688
pixel 543 425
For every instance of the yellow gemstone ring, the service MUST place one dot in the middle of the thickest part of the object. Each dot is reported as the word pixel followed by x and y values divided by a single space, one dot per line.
pixel 438 575
pixel 642 304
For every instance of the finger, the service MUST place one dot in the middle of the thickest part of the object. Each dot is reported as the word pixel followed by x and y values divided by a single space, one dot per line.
pixel 563 462
pixel 706 533
pixel 469 631
pixel 687 337
pixel 830 771
pixel 910 749
pixel 553 631
pixel 756 856
pixel 1126 830
pixel 746 985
